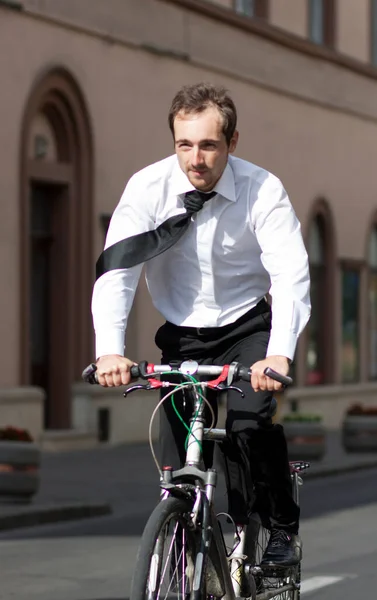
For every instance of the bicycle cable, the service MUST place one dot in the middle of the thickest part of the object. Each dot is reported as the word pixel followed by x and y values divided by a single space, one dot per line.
pixel 190 427
pixel 176 388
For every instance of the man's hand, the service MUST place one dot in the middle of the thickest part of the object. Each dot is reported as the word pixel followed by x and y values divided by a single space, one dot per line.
pixel 259 381
pixel 114 370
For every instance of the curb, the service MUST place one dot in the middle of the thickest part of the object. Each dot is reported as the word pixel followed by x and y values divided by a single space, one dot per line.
pixel 339 470
pixel 52 514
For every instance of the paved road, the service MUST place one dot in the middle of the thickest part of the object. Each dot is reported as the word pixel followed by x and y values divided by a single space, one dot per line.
pixel 93 560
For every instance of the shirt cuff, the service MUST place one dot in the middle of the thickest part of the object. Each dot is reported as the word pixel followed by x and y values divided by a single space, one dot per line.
pixel 282 344
pixel 109 342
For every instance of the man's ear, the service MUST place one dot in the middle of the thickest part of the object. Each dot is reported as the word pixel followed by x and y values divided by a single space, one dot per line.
pixel 234 141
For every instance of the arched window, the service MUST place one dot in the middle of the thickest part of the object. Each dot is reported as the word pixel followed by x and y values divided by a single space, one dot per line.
pixel 315 357
pixel 372 303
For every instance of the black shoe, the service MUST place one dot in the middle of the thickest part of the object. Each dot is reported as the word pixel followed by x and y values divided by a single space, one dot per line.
pixel 283 550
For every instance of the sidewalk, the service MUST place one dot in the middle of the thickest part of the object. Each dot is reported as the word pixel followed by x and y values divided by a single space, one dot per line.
pixel 107 480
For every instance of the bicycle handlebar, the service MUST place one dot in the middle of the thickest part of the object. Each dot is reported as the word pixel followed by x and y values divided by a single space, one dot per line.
pixel 232 373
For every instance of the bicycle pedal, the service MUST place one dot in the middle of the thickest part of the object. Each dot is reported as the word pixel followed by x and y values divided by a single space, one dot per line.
pixel 277 572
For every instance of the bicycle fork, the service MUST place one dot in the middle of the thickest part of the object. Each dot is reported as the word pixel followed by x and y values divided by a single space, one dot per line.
pixel 237 559
pixel 224 574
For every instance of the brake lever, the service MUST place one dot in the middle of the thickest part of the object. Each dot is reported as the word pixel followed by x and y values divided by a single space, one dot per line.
pixel 224 388
pixel 133 388
pixel 153 384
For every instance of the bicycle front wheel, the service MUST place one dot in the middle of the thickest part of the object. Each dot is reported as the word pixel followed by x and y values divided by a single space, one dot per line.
pixel 165 563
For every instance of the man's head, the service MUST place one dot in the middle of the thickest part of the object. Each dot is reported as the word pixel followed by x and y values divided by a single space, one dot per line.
pixel 203 119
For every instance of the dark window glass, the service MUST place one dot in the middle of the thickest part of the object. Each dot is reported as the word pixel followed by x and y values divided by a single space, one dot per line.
pixel 245 7
pixel 322 21
pixel 316 21
pixel 252 8
pixel 372 297
pixel 315 372
pixel 373 325
pixel 373 32
pixel 350 326
pixel 105 222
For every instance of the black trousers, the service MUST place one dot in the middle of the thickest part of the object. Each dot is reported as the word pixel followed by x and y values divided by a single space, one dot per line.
pixel 248 418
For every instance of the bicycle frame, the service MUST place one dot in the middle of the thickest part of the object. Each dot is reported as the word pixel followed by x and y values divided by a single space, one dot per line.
pixel 225 571
pixel 205 481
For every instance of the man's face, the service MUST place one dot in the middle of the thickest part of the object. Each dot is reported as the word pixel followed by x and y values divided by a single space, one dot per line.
pixel 201 146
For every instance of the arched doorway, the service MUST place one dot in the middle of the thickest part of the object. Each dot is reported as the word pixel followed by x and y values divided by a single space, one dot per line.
pixel 56 230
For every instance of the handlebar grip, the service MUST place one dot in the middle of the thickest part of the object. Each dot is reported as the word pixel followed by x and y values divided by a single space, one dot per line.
pixel 283 379
pixel 135 372
pixel 89 374
pixel 244 373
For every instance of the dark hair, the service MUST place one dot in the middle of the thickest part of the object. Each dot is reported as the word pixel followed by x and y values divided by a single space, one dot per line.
pixel 196 98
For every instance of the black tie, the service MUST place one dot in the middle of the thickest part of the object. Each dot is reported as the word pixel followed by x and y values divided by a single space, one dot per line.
pixel 143 246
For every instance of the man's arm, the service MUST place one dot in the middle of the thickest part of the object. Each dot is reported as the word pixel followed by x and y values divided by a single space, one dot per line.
pixel 284 256
pixel 114 292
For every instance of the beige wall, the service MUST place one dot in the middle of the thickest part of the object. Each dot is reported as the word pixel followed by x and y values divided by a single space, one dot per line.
pixel 123 20
pixel 291 15
pixel 353 28
pixel 170 31
pixel 312 123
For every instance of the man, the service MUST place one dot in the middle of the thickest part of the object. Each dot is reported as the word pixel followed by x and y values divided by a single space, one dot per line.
pixel 210 262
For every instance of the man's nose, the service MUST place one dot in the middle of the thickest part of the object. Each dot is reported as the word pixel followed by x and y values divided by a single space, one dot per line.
pixel 197 156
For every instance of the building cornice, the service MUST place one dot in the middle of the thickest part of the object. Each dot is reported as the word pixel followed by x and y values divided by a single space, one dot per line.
pixel 274 34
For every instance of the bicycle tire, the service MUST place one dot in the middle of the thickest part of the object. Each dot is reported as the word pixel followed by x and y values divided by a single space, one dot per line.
pixel 151 568
pixel 269 581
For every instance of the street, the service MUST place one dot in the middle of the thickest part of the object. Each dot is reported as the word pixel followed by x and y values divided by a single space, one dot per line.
pixel 94 559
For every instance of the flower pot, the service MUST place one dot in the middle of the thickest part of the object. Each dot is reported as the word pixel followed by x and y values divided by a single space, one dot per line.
pixel 19 471
pixel 359 433
pixel 305 440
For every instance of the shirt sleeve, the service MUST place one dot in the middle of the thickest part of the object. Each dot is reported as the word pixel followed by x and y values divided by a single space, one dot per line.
pixel 114 292
pixel 284 257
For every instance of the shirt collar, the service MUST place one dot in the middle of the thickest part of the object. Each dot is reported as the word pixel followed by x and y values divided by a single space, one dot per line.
pixel 225 187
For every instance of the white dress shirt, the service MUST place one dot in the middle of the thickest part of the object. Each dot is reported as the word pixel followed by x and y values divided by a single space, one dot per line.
pixel 244 243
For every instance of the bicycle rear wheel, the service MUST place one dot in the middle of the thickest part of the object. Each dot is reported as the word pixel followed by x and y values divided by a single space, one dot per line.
pixel 165 563
pixel 268 579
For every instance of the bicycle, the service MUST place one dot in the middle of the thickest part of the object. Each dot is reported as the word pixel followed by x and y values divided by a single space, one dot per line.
pixel 183 551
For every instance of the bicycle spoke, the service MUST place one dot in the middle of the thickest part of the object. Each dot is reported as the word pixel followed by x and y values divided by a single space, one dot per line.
pixel 171 565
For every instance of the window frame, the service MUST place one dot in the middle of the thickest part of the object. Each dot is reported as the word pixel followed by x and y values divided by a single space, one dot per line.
pixel 321 270
pixel 373 32
pixel 328 25
pixel 321 209
pixel 261 10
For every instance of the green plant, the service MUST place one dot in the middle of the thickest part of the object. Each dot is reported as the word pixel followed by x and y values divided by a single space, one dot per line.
pixel 14 434
pixel 297 417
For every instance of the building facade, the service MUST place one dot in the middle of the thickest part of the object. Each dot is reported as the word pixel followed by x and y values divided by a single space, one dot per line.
pixel 85 88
